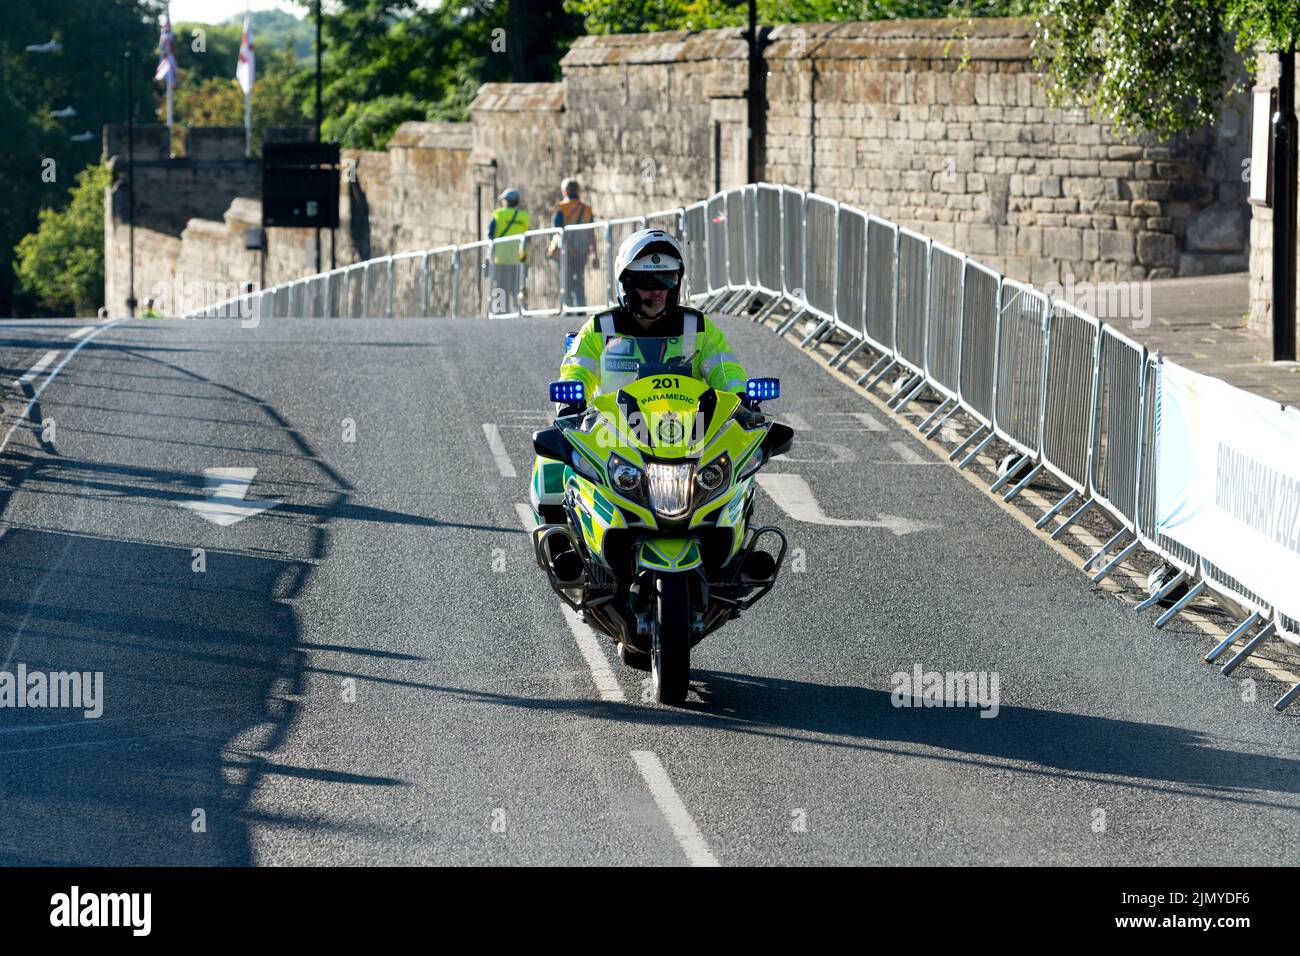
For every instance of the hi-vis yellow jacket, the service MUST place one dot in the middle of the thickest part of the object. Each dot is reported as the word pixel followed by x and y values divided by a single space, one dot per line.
pixel 508 221
pixel 612 350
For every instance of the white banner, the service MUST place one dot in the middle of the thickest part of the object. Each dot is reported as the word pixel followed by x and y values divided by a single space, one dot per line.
pixel 1228 481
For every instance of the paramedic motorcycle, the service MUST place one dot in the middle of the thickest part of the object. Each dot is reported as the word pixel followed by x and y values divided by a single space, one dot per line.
pixel 655 547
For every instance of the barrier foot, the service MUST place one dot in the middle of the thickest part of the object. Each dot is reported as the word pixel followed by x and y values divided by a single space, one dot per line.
pixel 1100 552
pixel 1285 700
pixel 938 409
pixel 1060 528
pixel 966 442
pixel 728 299
pixel 883 372
pixel 1228 641
pixel 814 333
pixel 826 333
pixel 1177 579
pixel 898 409
pixel 746 302
pixel 1006 475
pixel 1024 482
pixel 1241 655
pixel 858 346
pixel 1183 601
pixel 874 365
pixel 975 451
pixel 765 313
pixel 1114 562
pixel 956 407
pixel 794 317
pixel 897 398
pixel 1046 518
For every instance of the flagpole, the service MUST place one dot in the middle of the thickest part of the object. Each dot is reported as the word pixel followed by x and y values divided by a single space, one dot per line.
pixel 168 81
pixel 248 125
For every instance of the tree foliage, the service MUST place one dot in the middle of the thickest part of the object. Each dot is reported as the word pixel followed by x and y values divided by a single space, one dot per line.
pixel 388 61
pixel 61 264
pixel 1155 66
pixel 637 16
pixel 86 74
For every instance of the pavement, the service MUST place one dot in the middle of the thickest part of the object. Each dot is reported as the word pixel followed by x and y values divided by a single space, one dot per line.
pixel 1201 323
pixel 373 669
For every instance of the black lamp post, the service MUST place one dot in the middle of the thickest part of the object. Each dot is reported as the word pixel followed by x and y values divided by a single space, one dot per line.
pixel 130 185
pixel 1284 211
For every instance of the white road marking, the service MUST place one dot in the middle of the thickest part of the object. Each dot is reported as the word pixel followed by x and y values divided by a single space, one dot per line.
pixel 498 448
pixel 796 421
pixel 907 453
pixel 793 496
pixel 225 490
pixel 588 644
pixel 31 403
pixel 81 331
pixel 868 421
pixel 34 372
pixel 688 835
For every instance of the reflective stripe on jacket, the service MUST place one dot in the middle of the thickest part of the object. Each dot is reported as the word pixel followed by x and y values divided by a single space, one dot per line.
pixel 693 341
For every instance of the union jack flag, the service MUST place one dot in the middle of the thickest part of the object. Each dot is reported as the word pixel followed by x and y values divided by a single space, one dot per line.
pixel 167 69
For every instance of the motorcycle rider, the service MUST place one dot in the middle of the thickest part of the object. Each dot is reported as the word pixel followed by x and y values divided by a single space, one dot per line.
pixel 648 333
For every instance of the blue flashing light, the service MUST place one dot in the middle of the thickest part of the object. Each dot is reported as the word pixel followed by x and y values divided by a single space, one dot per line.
pixel 568 341
pixel 570 393
pixel 763 389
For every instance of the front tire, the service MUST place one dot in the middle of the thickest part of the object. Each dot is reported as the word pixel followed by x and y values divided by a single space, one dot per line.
pixel 670 654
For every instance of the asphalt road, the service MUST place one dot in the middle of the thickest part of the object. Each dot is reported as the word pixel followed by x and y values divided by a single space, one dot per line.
pixel 375 671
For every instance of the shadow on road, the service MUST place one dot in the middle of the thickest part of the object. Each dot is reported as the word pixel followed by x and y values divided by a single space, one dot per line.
pixel 202 671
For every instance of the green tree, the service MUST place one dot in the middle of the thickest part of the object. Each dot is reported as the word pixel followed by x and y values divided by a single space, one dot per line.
pixel 388 61
pixel 1159 66
pixel 61 264
pixel 639 16
pixel 217 100
pixel 86 74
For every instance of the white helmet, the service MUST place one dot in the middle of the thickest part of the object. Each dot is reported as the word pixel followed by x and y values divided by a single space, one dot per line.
pixel 650 256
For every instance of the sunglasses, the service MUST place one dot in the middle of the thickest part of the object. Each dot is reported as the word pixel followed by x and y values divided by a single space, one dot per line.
pixel 649 281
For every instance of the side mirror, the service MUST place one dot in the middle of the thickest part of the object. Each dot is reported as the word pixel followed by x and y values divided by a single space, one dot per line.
pixel 778 440
pixel 551 443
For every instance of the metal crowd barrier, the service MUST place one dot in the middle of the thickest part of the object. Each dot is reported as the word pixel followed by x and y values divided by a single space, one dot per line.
pixel 1068 394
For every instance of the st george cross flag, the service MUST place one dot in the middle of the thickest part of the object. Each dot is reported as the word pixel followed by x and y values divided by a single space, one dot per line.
pixel 246 69
pixel 167 69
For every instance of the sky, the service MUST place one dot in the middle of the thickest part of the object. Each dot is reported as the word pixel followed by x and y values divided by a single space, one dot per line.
pixel 216 11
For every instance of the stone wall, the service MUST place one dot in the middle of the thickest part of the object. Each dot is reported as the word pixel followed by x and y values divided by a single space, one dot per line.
pixel 939 125
pixel 1261 232
pixel 951 135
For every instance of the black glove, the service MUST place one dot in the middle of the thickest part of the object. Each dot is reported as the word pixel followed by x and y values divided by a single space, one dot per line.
pixel 749 403
pixel 570 408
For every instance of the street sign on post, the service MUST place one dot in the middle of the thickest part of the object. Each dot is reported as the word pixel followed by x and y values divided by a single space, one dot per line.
pixel 300 185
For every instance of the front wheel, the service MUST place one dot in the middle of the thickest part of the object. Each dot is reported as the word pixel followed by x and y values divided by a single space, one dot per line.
pixel 670 654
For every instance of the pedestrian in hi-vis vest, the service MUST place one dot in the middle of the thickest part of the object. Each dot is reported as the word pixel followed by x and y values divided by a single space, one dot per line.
pixel 573 250
pixel 507 266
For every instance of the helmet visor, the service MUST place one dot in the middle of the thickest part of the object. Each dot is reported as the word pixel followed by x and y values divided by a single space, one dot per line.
pixel 652 280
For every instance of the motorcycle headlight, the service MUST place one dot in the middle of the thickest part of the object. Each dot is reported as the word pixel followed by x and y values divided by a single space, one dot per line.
pixel 624 477
pixel 669 488
pixel 713 478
